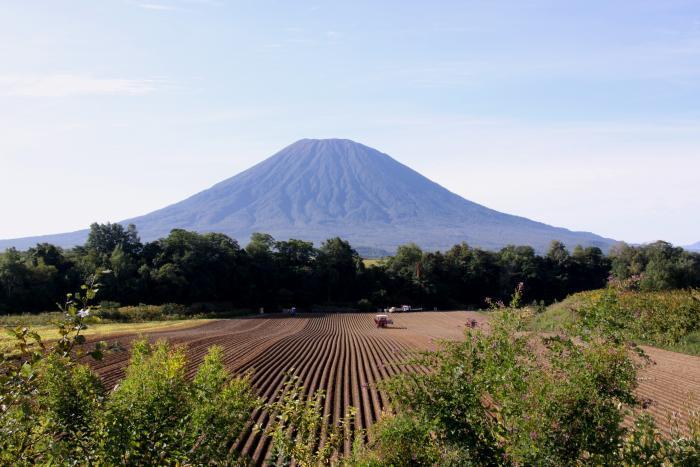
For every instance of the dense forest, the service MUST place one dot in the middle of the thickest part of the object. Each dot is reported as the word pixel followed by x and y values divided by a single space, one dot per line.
pixel 188 267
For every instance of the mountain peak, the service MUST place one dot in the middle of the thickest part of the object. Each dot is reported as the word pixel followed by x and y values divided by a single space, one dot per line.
pixel 328 147
pixel 314 189
pixel 337 142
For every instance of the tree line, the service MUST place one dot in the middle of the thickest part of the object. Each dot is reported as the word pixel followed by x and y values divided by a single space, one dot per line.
pixel 188 267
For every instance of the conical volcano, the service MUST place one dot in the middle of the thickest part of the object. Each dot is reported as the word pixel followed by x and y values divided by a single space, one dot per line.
pixel 316 189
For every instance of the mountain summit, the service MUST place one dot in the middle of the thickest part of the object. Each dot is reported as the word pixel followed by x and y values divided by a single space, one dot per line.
pixel 316 189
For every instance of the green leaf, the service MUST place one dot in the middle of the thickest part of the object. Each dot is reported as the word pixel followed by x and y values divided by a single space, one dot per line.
pixel 27 370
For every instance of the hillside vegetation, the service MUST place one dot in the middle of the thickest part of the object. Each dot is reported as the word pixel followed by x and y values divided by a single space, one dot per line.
pixel 668 319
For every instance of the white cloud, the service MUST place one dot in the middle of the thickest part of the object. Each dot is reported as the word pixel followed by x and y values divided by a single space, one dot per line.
pixel 66 84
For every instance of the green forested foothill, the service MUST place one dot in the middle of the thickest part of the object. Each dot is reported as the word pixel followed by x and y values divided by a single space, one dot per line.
pixel 203 270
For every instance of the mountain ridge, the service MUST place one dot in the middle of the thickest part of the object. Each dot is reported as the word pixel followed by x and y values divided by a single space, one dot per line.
pixel 315 189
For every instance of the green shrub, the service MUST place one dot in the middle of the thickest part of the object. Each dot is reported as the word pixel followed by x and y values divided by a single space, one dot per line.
pixel 668 319
pixel 644 445
pixel 144 415
pixel 173 309
pixel 505 397
pixel 220 409
pixel 54 410
pixel 155 416
pixel 401 440
pixel 133 313
pixel 28 319
pixel 48 402
pixel 70 398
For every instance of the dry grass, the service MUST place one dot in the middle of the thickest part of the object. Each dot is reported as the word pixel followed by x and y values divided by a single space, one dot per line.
pixel 49 332
pixel 369 262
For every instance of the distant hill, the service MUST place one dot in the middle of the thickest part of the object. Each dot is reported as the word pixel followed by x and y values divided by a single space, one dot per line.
pixel 316 189
pixel 694 247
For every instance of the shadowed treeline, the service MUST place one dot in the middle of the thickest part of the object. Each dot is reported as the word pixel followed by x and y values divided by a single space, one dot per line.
pixel 187 267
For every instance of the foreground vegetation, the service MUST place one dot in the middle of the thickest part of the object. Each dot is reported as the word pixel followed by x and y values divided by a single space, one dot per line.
pixel 55 411
pixel 500 397
pixel 210 272
pixel 505 397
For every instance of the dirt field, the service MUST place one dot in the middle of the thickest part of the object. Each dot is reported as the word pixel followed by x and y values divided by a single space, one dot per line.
pixel 670 386
pixel 345 355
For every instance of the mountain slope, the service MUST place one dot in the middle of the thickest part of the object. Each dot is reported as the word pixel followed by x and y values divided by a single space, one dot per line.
pixel 315 189
pixel 694 247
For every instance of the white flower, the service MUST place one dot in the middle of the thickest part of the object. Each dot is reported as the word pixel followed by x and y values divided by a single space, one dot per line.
pixel 84 313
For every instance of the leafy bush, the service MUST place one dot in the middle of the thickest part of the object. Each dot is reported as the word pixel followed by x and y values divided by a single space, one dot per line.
pixel 28 319
pixel 55 411
pixel 47 400
pixel 220 409
pixel 144 413
pixel 644 445
pixel 493 399
pixel 400 440
pixel 504 397
pixel 173 309
pixel 136 313
pixel 155 416
pixel 71 398
pixel 665 318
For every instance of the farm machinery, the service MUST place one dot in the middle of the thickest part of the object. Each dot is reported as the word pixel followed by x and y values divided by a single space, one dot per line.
pixel 382 321
pixel 402 308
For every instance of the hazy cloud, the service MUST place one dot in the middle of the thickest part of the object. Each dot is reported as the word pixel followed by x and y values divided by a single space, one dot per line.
pixel 177 4
pixel 67 84
pixel 156 6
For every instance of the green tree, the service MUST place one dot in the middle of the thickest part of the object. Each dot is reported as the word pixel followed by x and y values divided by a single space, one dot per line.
pixel 14 276
pixel 104 238
pixel 338 265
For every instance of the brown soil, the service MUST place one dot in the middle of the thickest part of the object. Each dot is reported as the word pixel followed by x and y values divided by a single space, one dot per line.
pixel 670 387
pixel 346 355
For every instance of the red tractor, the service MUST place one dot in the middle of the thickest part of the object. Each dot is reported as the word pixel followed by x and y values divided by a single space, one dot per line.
pixel 382 321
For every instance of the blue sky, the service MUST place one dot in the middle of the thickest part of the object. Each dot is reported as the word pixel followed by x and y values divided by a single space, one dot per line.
pixel 581 114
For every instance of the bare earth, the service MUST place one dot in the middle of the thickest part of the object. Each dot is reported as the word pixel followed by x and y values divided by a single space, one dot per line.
pixel 345 355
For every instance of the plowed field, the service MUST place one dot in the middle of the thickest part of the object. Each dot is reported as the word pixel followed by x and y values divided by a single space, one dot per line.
pixel 345 355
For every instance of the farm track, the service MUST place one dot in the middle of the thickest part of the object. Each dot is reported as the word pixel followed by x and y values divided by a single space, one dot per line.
pixel 346 356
